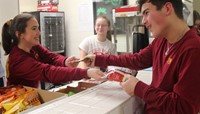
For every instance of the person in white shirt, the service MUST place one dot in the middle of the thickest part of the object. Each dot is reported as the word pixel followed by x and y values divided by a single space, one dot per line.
pixel 99 44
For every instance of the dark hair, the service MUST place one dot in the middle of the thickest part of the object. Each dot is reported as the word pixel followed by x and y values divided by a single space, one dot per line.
pixel 108 35
pixel 177 4
pixel 196 16
pixel 9 29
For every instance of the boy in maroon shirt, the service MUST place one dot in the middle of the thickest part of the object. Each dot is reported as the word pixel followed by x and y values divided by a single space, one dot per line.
pixel 174 57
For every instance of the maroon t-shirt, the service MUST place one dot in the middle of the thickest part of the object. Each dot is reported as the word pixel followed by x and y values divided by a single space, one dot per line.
pixel 39 65
pixel 175 86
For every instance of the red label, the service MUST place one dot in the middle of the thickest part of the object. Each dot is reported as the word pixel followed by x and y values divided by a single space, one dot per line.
pixel 115 76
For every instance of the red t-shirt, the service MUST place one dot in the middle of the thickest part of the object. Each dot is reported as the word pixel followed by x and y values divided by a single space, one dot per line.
pixel 39 65
pixel 176 76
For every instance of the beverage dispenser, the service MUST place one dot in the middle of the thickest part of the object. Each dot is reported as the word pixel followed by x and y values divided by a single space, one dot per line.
pixel 140 38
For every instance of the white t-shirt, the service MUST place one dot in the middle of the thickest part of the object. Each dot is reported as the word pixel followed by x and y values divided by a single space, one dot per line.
pixel 92 45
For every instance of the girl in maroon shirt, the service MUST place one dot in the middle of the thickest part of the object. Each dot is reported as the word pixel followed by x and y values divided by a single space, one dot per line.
pixel 29 62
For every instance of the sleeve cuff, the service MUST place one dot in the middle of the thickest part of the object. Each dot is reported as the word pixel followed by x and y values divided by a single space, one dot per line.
pixel 64 62
pixel 83 72
pixel 140 89
pixel 100 61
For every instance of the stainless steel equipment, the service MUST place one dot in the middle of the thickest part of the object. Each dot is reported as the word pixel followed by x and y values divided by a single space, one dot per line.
pixel 129 35
pixel 52 27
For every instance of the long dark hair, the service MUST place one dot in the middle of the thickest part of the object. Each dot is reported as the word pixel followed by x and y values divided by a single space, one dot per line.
pixel 177 4
pixel 19 24
pixel 108 35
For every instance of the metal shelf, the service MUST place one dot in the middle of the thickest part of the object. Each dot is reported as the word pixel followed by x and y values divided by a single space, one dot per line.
pixel 124 19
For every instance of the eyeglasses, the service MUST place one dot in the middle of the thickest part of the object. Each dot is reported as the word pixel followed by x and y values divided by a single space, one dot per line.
pixel 98 25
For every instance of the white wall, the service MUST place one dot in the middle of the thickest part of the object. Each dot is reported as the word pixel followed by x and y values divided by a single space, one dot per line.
pixel 132 2
pixel 27 5
pixel 8 9
pixel 196 5
pixel 74 23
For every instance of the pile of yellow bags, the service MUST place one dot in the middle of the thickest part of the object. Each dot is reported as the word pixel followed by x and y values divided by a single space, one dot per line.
pixel 15 99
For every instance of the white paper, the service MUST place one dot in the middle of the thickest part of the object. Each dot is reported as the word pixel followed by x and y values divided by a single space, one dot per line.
pixel 85 17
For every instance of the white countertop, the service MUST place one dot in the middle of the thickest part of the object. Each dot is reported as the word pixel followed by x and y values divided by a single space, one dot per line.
pixel 105 98
pixel 145 75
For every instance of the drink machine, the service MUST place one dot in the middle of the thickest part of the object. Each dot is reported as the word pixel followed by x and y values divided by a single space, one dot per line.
pixel 140 37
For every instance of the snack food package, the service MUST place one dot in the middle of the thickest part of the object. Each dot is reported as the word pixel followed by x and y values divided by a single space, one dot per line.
pixel 115 73
pixel 122 69
pixel 15 99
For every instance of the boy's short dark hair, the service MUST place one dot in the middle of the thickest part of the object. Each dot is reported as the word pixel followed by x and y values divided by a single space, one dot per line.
pixel 177 4
pixel 196 16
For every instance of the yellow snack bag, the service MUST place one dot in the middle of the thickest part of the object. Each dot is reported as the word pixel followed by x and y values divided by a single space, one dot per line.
pixel 31 98
pixel 17 107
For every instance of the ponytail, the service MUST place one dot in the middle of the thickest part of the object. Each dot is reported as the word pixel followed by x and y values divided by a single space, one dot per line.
pixel 109 36
pixel 6 37
pixel 18 24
